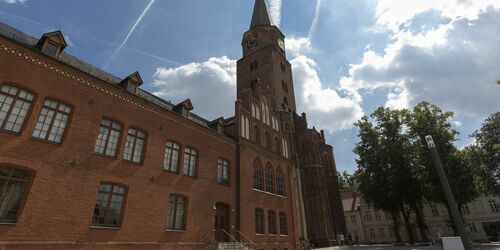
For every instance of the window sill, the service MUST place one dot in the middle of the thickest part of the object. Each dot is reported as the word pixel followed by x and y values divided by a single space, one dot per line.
pixel 12 132
pixel 284 235
pixel 46 141
pixel 175 231
pixel 272 235
pixel 105 228
pixel 269 193
pixel 106 156
pixel 170 172
pixel 8 223
pixel 260 234
pixel 137 164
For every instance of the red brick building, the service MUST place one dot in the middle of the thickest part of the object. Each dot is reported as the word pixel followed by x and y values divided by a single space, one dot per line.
pixel 91 160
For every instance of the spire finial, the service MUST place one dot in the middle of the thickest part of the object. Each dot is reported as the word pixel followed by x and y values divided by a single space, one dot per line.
pixel 261 15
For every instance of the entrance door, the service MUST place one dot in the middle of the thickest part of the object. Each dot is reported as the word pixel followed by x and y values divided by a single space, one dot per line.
pixel 221 222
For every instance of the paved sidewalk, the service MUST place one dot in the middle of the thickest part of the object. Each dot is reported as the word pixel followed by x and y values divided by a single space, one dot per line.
pixel 490 246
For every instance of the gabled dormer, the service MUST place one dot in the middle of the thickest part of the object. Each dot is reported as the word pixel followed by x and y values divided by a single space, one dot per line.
pixel 131 83
pixel 183 108
pixel 217 124
pixel 52 43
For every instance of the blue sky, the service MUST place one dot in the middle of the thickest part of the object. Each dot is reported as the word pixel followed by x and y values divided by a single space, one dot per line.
pixel 348 57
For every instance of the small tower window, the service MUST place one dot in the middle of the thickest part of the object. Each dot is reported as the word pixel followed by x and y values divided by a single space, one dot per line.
pixel 51 49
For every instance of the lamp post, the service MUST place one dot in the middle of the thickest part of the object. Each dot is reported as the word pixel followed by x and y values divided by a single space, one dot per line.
pixel 452 204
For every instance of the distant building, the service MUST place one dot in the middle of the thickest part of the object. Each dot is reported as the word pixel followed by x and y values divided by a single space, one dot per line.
pixel 482 220
pixel 88 159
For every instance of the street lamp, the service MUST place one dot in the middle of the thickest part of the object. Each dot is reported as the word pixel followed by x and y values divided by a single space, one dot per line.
pixel 452 204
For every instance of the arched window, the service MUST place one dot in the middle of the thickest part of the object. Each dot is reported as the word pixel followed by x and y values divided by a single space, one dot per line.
pixel 257 135
pixel 177 211
pixel 15 104
pixel 108 211
pixel 269 178
pixel 257 175
pixel 14 187
pixel 280 182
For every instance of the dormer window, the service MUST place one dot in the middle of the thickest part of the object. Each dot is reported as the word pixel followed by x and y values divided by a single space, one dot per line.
pixel 52 43
pixel 131 83
pixel 183 108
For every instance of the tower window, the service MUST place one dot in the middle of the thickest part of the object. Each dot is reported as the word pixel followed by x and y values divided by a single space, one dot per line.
pixel 283 67
pixel 285 101
pixel 253 65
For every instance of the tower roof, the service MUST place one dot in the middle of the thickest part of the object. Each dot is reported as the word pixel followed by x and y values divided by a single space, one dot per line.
pixel 261 15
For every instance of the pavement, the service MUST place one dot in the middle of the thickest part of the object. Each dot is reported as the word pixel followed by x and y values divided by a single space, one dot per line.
pixel 489 246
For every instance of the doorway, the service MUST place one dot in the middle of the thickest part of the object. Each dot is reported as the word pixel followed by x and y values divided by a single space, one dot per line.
pixel 221 222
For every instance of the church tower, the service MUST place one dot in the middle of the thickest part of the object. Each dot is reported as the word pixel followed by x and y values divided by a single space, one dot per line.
pixel 284 166
pixel 264 60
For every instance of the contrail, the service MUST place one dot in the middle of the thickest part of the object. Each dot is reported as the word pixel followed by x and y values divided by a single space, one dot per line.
pixel 144 12
pixel 275 10
pixel 46 28
pixel 314 24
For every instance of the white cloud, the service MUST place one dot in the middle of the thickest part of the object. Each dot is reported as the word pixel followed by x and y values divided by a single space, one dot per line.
pixel 14 1
pixel 210 85
pixel 324 106
pixel 275 11
pixel 453 65
pixel 391 14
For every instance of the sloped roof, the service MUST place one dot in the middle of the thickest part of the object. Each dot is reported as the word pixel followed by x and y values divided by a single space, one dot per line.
pixel 260 15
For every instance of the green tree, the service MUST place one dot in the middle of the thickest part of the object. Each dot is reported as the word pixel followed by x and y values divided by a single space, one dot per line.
pixel 488 140
pixel 385 175
pixel 428 119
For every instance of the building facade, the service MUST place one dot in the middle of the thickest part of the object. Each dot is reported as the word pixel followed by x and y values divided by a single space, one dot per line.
pixel 482 221
pixel 91 160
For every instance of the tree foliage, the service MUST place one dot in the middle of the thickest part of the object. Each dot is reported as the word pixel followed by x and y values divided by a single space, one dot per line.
pixel 488 140
pixel 395 170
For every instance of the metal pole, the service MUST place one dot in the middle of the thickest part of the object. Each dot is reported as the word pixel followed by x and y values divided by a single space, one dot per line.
pixel 452 204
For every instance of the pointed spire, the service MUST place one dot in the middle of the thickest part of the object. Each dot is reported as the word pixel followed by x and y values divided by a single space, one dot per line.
pixel 260 16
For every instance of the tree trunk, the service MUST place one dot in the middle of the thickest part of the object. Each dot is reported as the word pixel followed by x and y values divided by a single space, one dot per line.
pixel 406 218
pixel 396 224
pixel 421 222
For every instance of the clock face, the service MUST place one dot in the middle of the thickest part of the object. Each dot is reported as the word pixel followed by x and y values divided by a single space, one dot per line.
pixel 252 42
pixel 281 44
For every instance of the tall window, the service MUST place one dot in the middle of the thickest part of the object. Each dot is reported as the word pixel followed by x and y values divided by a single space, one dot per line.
pixel 190 162
pixel 245 129
pixel 280 182
pixel 259 221
pixel 222 171
pixel 14 184
pixel 108 211
pixel 465 210
pixel 283 224
pixel 171 160
pixel 271 218
pixel 277 145
pixel 14 106
pixel 493 206
pixel 134 145
pixel 434 210
pixel 269 177
pixel 284 146
pixel 107 140
pixel 257 175
pixel 353 219
pixel 372 233
pixel 177 206
pixel 368 215
pixel 52 121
